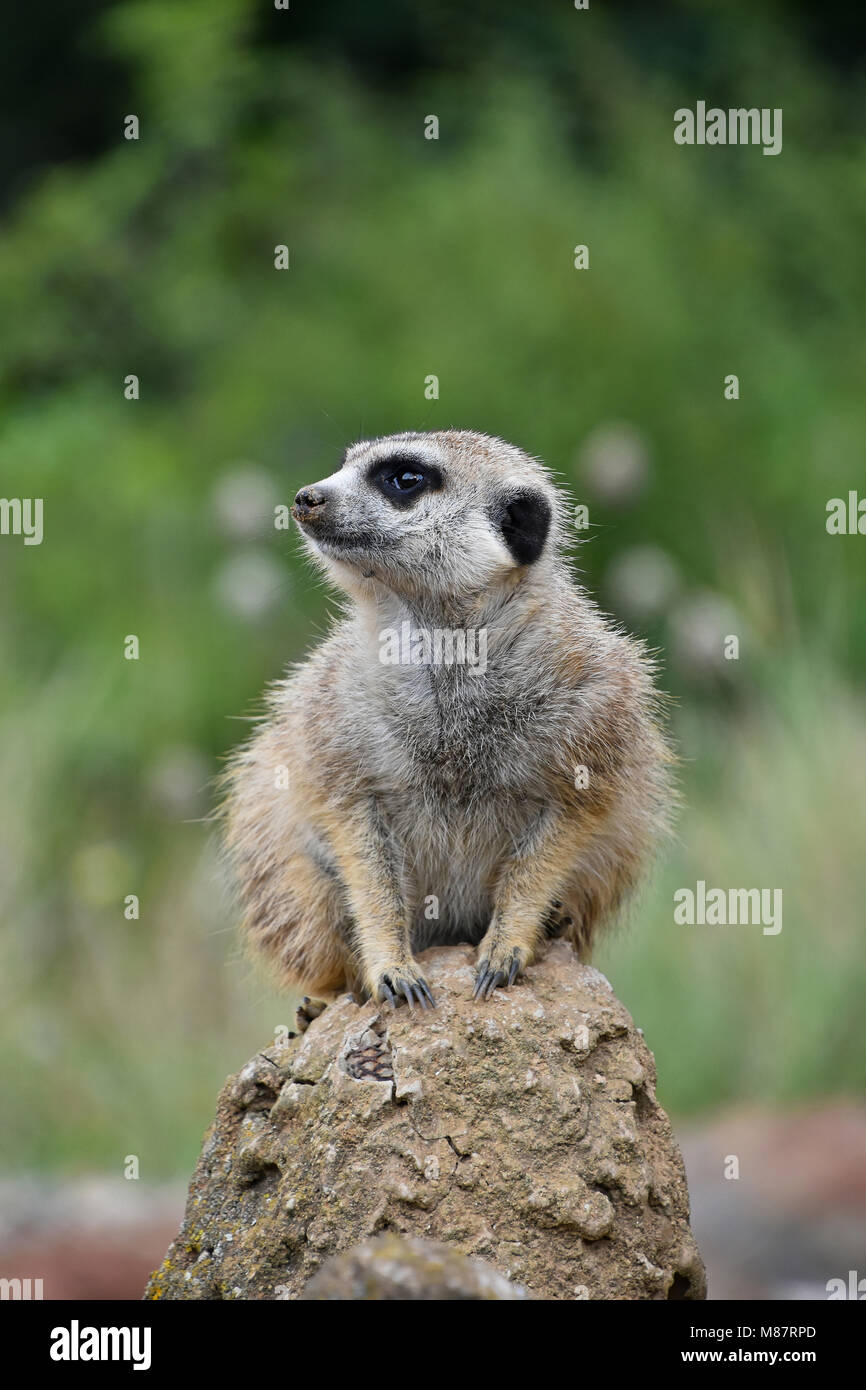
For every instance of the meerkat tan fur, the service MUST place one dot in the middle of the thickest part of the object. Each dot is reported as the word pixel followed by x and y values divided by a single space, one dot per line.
pixel 392 803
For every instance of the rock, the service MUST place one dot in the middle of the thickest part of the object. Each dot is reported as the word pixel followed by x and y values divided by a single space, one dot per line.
pixel 406 1268
pixel 523 1131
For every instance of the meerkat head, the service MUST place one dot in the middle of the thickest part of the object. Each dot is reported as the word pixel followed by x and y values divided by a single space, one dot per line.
pixel 445 515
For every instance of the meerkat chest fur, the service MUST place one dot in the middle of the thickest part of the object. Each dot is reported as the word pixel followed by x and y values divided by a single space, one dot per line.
pixel 462 756
pixel 466 711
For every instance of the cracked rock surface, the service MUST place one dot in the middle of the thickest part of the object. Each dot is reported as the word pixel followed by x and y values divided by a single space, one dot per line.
pixel 523 1131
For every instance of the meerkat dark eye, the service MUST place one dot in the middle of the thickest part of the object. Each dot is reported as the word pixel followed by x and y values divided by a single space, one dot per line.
pixel 406 481
pixel 403 480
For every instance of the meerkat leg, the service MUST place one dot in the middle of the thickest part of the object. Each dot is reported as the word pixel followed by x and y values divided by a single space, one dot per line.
pixel 295 914
pixel 524 902
pixel 367 861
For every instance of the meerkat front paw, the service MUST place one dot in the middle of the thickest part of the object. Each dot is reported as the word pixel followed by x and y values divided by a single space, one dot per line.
pixel 404 979
pixel 499 967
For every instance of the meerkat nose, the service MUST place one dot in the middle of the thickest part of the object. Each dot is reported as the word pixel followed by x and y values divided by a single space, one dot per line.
pixel 308 500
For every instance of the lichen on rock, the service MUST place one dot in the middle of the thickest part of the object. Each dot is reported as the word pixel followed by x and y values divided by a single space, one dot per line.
pixel 523 1131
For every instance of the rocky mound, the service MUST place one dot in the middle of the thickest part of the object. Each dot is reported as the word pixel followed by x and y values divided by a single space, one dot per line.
pixel 523 1131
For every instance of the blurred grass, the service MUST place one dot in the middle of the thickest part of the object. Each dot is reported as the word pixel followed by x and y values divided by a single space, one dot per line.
pixel 732 1014
pixel 411 257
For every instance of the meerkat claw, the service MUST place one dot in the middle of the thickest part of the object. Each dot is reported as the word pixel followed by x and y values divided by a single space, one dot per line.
pixel 487 979
pixel 497 980
pixel 421 991
pixel 413 990
pixel 386 993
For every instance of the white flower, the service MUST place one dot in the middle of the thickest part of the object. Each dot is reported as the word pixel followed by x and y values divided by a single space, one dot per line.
pixel 250 583
pixel 614 463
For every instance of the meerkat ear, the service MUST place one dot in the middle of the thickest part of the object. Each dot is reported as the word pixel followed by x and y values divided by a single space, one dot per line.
pixel 524 520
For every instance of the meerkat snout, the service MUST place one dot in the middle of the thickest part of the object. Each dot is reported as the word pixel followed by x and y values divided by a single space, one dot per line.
pixel 309 501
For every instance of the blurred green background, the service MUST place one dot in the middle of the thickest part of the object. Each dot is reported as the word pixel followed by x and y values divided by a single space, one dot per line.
pixel 411 257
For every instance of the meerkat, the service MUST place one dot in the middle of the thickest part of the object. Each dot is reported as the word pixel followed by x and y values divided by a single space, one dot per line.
pixel 392 801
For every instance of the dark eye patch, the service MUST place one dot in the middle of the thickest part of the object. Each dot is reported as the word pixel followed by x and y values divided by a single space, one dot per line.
pixel 402 478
